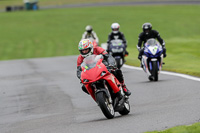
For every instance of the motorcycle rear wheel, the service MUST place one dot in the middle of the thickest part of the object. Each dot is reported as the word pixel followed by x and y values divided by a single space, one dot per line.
pixel 106 107
pixel 126 109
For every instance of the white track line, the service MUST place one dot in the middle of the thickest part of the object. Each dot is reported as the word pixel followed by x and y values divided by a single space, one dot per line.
pixel 168 73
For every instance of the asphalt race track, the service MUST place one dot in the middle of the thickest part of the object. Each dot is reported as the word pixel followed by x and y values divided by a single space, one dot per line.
pixel 44 96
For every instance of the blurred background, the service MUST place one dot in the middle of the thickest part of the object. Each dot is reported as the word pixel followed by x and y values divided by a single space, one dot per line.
pixel 54 28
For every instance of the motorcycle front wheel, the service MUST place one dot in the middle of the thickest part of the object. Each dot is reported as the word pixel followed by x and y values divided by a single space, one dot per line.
pixel 106 107
pixel 155 70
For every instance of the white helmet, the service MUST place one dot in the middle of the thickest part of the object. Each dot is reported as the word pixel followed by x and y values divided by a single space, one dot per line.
pixel 115 27
pixel 84 45
pixel 88 28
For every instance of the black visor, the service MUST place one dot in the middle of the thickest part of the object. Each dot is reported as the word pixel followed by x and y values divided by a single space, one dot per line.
pixel 89 31
pixel 116 29
pixel 81 51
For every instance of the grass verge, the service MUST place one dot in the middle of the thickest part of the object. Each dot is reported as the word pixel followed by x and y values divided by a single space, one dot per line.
pixel 195 128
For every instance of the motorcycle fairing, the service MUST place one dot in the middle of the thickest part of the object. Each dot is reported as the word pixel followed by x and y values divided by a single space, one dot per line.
pixel 145 64
pixel 153 51
pixel 117 47
pixel 92 73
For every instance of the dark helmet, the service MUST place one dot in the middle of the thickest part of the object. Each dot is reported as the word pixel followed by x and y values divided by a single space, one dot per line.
pixel 147 27
pixel 88 28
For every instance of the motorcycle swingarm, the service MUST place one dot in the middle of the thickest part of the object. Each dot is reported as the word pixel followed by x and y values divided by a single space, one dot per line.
pixel 118 105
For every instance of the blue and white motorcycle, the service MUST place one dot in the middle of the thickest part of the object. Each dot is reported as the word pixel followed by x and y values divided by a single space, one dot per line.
pixel 152 59
pixel 117 50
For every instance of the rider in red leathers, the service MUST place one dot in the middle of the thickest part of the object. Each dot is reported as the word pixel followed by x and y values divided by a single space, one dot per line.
pixel 86 48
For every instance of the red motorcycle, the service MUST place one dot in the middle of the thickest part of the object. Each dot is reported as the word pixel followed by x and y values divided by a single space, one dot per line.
pixel 102 85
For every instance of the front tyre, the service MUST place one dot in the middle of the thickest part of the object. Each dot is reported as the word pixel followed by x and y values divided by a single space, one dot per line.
pixel 106 107
pixel 155 70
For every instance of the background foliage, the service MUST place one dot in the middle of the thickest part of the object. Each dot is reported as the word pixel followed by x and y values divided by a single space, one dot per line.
pixel 56 32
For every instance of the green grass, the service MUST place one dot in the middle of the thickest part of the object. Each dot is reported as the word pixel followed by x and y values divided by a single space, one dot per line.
pixel 56 32
pixel 195 128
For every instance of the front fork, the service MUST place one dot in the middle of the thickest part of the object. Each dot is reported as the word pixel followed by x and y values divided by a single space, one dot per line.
pixel 145 64
pixel 101 88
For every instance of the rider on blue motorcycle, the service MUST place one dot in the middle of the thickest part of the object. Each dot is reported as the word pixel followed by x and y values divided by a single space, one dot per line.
pixel 116 34
pixel 147 34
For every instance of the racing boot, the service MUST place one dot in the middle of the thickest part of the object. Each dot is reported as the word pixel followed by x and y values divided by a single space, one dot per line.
pixel 140 57
pixel 164 55
pixel 125 89
pixel 119 95
pixel 140 54
pixel 164 52
pixel 126 53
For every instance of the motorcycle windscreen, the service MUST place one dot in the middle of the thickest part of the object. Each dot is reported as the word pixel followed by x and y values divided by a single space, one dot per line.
pixel 90 61
pixel 117 46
